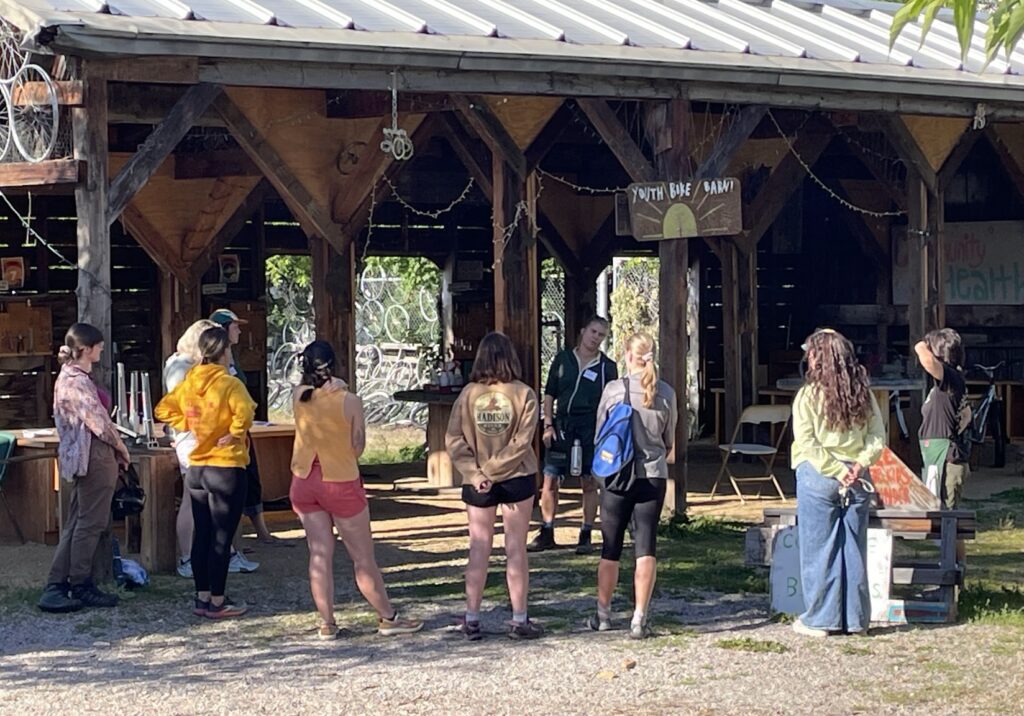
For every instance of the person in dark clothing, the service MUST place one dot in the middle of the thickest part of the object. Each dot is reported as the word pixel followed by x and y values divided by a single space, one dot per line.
pixel 573 390
pixel 944 415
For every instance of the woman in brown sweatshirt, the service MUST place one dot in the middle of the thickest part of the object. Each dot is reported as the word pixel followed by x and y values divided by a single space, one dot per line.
pixel 490 441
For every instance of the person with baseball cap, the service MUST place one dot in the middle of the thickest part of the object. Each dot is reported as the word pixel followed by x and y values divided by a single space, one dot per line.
pixel 230 322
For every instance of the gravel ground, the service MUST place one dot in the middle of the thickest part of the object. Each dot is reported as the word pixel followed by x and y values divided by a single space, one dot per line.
pixel 712 653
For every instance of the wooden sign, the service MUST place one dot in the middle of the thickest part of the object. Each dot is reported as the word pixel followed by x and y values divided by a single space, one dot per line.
pixel 682 209
pixel 897 487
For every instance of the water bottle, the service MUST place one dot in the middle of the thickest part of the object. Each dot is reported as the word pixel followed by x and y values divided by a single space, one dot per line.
pixel 576 459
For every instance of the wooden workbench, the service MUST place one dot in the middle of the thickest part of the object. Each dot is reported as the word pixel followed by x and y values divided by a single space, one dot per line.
pixel 272 444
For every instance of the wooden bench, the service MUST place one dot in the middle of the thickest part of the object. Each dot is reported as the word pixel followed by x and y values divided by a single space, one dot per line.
pixel 942 577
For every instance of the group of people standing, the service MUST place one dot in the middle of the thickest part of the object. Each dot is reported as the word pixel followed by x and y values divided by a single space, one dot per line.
pixel 837 436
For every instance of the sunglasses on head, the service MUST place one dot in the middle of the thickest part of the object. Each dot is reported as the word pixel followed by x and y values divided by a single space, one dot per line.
pixel 803 346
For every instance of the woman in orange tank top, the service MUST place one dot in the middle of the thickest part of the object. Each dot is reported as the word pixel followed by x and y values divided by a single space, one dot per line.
pixel 327 492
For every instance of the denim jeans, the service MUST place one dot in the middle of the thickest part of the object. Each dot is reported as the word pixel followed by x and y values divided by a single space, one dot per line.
pixel 833 552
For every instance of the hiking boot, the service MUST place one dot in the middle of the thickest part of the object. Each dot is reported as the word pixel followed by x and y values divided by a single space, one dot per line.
pixel 57 600
pixel 227 610
pixel 596 623
pixel 525 630
pixel 90 596
pixel 544 540
pixel 396 625
pixel 584 546
pixel 639 631
pixel 326 632
pixel 239 563
pixel 185 568
pixel 471 630
pixel 201 607
pixel 800 628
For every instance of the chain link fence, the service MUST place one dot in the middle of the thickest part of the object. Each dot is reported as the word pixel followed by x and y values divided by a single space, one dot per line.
pixel 552 310
pixel 397 334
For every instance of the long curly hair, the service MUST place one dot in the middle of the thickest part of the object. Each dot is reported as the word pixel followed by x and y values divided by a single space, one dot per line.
pixel 839 378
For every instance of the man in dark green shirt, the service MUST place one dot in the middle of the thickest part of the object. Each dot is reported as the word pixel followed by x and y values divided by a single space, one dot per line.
pixel 571 395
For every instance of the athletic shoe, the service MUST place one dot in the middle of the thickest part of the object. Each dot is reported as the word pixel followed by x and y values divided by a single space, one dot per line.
pixel 525 630
pixel 639 631
pixel 396 625
pixel 185 568
pixel 201 607
pixel 56 599
pixel 326 632
pixel 596 623
pixel 544 540
pixel 471 630
pixel 239 563
pixel 90 596
pixel 800 628
pixel 584 546
pixel 227 610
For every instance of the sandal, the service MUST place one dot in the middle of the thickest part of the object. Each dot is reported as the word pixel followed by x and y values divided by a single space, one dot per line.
pixel 326 632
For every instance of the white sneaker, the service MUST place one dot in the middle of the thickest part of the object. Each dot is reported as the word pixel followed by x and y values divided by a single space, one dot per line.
pixel 239 563
pixel 185 568
pixel 800 628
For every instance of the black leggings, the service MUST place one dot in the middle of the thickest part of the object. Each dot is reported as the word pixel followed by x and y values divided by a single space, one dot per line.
pixel 218 495
pixel 643 501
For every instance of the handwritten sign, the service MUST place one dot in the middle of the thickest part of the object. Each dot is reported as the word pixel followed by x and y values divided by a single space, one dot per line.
pixel 787 595
pixel 983 264
pixel 897 486
pixel 681 209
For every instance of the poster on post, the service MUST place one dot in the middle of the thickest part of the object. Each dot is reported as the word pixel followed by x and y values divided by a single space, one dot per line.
pixel 685 208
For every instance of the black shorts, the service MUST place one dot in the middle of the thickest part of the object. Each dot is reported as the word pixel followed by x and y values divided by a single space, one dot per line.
pixel 254 491
pixel 506 492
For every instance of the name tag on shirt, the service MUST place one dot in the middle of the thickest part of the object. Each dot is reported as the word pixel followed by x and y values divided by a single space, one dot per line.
pixel 590 375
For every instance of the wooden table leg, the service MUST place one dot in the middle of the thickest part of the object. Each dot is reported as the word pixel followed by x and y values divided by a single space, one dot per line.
pixel 440 471
pixel 158 474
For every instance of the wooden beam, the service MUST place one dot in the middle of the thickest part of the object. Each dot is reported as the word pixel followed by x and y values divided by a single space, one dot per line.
pixel 556 246
pixel 51 171
pixel 615 136
pixel 784 179
pixel 136 103
pixel 717 160
pixel 214 245
pixel 1007 159
pixel 333 303
pixel 173 70
pixel 548 135
pixel 475 162
pixel 960 152
pixel 489 128
pixel 917 228
pixel 89 135
pixel 149 238
pixel 158 145
pixel 69 93
pixel 909 151
pixel 892 187
pixel 215 164
pixel 180 307
pixel 308 211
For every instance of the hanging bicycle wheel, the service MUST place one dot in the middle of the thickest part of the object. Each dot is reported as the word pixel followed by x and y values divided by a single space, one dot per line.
pixel 12 57
pixel 428 305
pixel 373 319
pixel 34 113
pixel 371 282
pixel 5 126
pixel 396 323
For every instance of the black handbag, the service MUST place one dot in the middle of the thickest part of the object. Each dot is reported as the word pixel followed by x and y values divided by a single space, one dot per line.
pixel 129 497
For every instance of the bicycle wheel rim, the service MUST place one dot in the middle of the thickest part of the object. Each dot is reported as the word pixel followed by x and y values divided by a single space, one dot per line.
pixel 34 121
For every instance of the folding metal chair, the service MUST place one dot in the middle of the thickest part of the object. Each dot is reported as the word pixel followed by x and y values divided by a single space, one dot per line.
pixel 772 415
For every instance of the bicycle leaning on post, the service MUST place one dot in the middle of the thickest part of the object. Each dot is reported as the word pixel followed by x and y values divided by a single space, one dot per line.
pixel 987 416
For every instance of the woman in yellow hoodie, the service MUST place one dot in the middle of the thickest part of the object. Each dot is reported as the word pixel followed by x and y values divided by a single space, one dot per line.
pixel 216 408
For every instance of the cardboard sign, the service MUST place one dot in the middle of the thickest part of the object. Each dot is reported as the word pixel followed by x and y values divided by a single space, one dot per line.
pixel 897 487
pixel 787 596
pixel 682 209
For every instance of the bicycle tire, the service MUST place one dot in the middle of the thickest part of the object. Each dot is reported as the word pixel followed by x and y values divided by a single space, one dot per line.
pixel 34 124
pixel 998 434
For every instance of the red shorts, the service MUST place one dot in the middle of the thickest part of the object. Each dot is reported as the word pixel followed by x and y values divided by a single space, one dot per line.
pixel 313 494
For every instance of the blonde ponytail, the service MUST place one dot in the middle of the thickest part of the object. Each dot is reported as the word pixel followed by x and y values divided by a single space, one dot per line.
pixel 641 346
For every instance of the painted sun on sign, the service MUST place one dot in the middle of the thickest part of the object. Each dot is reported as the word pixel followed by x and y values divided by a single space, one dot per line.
pixel 683 209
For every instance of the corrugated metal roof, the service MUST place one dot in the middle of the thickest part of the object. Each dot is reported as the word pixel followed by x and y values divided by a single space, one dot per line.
pixel 835 30
pixel 808 40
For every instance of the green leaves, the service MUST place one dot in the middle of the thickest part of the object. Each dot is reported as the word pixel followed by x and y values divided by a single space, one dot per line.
pixel 1005 23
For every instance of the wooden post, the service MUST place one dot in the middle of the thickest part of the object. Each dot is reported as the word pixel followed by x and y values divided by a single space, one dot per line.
pixel 180 307
pixel 917 228
pixel 673 163
pixel 333 303
pixel 89 131
pixel 746 280
pixel 516 275
pixel 731 337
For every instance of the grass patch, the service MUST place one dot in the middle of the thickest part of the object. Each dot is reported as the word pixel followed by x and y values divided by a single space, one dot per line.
pixel 1013 496
pixel 996 605
pixel 388 446
pixel 756 646
pixel 851 650
pixel 706 553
